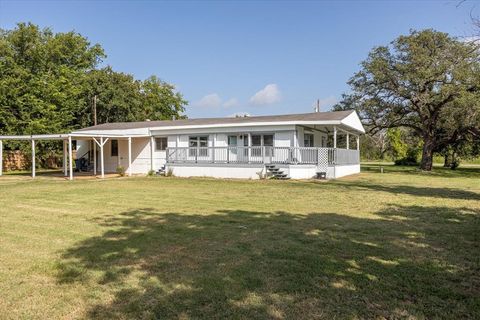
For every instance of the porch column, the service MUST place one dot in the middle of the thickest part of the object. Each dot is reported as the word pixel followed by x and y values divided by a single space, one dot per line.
pixel 335 137
pixel 129 156
pixel 358 142
pixel 151 153
pixel 348 140
pixel 94 157
pixel 249 146
pixel 1 157
pixel 102 168
pixel 70 159
pixel 65 158
pixel 33 158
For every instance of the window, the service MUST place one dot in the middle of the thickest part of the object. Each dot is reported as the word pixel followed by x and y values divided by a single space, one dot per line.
pixel 232 141
pixel 256 140
pixel 114 150
pixel 198 142
pixel 161 144
pixel 308 140
pixel 259 140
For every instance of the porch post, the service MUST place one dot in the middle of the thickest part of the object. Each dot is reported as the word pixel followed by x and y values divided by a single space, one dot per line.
pixel 358 142
pixel 335 137
pixel 129 156
pixel 1 157
pixel 70 157
pixel 102 168
pixel 348 140
pixel 249 146
pixel 94 157
pixel 65 159
pixel 33 158
pixel 151 153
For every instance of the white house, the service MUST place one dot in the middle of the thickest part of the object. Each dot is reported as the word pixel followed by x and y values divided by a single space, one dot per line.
pixel 299 146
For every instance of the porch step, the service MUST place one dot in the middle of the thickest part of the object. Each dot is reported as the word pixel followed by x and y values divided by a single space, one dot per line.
pixel 276 172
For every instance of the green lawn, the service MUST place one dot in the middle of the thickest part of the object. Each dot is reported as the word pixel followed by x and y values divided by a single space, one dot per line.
pixel 397 245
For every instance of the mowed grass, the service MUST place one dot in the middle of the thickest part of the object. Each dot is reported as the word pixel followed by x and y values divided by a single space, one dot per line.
pixel 397 245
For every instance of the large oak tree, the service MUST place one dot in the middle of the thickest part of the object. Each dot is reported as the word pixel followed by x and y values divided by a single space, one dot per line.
pixel 427 81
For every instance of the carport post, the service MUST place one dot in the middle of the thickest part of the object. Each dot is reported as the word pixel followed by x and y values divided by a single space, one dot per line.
pixel 101 159
pixel 151 153
pixel 70 158
pixel 94 158
pixel 129 156
pixel 1 157
pixel 33 158
pixel 65 158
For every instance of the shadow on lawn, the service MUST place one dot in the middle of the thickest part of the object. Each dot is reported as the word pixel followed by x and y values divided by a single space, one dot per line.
pixel 410 261
pixel 444 193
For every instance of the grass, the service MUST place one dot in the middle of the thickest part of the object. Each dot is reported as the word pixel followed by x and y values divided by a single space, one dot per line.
pixel 397 245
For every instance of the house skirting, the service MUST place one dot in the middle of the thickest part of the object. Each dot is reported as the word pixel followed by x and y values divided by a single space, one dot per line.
pixel 255 171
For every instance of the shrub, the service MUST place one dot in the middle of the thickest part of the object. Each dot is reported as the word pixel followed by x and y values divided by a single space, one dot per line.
pixel 121 171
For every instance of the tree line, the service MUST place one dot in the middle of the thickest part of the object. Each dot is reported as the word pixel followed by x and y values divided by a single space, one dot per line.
pixel 420 93
pixel 48 82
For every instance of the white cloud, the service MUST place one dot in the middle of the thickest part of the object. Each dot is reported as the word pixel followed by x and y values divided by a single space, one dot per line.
pixel 233 102
pixel 212 100
pixel 268 95
pixel 326 103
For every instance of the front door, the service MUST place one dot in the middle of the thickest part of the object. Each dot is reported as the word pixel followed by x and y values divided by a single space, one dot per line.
pixel 160 148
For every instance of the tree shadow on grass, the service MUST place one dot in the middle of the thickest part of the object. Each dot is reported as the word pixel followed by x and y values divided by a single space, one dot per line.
pixel 461 172
pixel 407 262
pixel 443 193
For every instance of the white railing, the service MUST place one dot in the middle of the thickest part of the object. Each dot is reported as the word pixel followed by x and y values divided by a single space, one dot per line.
pixel 260 155
pixel 343 156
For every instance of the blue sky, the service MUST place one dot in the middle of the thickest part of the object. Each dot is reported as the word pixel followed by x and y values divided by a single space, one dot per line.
pixel 257 57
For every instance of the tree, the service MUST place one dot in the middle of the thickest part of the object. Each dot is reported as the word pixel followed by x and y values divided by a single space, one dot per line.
pixel 48 81
pixel 122 98
pixel 426 81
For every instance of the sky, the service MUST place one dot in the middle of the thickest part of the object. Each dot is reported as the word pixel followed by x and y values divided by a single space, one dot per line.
pixel 255 57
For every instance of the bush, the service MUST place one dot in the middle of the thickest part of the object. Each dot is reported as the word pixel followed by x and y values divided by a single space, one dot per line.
pixel 151 173
pixel 121 171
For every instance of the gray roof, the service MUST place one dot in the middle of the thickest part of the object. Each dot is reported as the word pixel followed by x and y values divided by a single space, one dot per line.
pixel 315 116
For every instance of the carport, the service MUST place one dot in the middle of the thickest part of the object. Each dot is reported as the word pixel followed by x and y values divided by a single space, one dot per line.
pixel 67 144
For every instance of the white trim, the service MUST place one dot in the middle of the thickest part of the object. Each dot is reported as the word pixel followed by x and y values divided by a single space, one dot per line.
pixel 36 137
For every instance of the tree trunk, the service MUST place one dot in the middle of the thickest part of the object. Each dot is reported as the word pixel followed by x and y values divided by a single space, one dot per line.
pixel 427 154
pixel 448 161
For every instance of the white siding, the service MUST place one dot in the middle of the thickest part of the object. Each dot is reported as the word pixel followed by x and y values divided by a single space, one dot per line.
pixel 283 139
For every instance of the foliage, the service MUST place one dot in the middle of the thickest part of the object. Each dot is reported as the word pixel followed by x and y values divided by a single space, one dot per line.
pixel 121 171
pixel 398 146
pixel 426 81
pixel 48 81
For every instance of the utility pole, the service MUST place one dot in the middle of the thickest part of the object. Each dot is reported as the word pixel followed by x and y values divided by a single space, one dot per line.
pixel 95 110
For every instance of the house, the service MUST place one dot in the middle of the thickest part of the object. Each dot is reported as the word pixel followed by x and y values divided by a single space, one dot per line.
pixel 299 146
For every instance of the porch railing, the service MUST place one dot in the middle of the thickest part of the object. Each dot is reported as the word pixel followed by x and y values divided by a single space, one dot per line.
pixel 261 155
